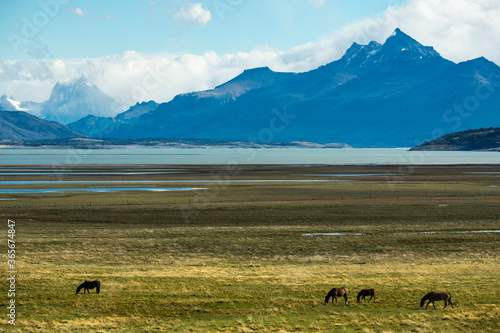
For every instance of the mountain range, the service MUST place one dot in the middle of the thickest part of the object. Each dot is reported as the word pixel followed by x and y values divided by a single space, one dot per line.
pixel 399 93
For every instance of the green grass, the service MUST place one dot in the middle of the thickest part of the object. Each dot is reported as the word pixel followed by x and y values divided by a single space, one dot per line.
pixel 234 258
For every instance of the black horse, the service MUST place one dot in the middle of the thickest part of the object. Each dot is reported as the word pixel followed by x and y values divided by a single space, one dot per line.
pixel 337 292
pixel 87 285
pixel 432 296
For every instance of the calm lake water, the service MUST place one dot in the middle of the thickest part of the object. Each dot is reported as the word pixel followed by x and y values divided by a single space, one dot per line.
pixel 236 156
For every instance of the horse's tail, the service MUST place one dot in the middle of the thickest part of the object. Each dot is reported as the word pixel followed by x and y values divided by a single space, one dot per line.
pixel 359 295
pixel 449 300
pixel 98 287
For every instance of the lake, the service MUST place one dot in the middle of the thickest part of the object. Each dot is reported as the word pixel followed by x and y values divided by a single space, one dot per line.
pixel 237 156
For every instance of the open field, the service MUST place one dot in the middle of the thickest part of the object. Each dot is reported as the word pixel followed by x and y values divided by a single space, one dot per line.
pixel 256 256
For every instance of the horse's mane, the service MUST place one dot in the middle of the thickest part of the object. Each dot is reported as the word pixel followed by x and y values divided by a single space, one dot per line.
pixel 80 287
pixel 426 297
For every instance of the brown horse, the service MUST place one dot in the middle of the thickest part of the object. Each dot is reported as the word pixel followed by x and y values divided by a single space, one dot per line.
pixel 337 292
pixel 432 296
pixel 366 292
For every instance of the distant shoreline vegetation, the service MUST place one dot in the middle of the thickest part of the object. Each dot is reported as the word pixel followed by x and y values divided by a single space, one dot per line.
pixel 482 139
pixel 89 143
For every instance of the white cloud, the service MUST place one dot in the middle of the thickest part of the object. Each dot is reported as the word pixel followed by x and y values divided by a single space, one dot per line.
pixel 78 11
pixel 317 3
pixel 459 29
pixel 108 17
pixel 194 13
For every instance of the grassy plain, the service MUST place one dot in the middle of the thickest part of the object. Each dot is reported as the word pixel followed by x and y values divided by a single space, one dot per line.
pixel 237 257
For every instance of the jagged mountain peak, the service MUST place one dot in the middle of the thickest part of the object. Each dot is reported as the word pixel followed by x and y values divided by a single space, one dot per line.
pixel 397 45
pixel 75 99
pixel 81 83
pixel 358 55
pixel 400 44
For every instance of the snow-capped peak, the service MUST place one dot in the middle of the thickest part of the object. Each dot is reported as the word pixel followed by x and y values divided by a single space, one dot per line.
pixel 84 81
pixel 11 104
pixel 73 100
pixel 400 43
pixel 16 104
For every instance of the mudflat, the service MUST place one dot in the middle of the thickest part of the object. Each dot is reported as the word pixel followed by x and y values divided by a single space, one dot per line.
pixel 252 247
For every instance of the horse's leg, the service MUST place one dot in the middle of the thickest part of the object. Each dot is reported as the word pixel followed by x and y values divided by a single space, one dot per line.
pixel 445 304
pixel 434 305
pixel 345 296
pixel 427 304
pixel 451 303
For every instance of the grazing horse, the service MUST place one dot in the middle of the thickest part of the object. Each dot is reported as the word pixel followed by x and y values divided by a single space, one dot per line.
pixel 432 296
pixel 366 292
pixel 337 292
pixel 89 285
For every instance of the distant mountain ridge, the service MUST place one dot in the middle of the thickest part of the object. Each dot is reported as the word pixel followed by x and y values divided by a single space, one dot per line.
pixel 396 94
pixel 100 127
pixel 393 94
pixel 22 126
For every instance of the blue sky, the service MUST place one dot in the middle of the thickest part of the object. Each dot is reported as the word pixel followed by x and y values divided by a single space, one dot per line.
pixel 138 50
pixel 97 28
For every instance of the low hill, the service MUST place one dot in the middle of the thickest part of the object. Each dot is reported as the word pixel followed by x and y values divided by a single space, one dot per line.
pixel 22 126
pixel 484 139
pixel 101 127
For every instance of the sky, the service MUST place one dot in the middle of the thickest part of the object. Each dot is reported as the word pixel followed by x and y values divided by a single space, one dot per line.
pixel 138 50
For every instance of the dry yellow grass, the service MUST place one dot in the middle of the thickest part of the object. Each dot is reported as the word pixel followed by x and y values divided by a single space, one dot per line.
pixel 241 262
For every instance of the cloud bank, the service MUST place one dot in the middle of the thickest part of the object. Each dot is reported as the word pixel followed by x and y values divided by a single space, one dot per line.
pixel 459 29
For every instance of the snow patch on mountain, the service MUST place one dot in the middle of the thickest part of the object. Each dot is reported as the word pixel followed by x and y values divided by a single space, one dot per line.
pixel 11 104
